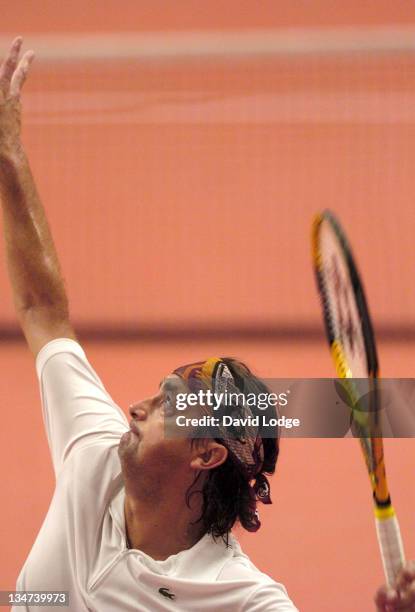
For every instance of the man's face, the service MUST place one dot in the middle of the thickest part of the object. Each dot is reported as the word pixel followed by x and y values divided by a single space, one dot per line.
pixel 146 445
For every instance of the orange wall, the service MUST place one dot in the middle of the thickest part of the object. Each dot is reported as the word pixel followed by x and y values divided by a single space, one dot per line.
pixel 182 193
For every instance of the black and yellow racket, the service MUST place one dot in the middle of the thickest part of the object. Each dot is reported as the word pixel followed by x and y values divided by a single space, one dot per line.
pixel 352 344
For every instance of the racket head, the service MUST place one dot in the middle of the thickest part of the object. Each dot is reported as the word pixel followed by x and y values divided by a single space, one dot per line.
pixel 347 320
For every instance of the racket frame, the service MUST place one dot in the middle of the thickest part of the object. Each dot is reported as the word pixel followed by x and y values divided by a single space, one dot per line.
pixel 387 526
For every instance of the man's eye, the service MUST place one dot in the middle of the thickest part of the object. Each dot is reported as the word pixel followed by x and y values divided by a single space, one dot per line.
pixel 168 404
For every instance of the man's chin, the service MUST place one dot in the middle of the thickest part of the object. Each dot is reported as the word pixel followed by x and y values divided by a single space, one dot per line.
pixel 128 440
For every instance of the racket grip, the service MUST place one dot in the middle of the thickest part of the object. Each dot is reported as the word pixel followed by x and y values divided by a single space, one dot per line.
pixel 390 543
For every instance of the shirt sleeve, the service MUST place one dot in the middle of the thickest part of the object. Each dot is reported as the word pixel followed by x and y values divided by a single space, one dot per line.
pixel 77 410
pixel 269 597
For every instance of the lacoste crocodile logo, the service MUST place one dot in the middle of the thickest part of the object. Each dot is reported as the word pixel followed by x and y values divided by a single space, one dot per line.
pixel 166 593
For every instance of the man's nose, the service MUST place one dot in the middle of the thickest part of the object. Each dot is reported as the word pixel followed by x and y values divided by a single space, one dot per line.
pixel 139 410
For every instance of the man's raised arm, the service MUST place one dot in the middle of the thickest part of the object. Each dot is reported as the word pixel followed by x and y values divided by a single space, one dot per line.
pixel 37 284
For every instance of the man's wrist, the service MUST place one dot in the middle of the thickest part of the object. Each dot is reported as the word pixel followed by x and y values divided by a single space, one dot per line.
pixel 12 151
pixel 12 159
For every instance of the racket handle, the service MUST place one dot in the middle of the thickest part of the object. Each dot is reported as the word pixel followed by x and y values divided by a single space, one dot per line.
pixel 390 542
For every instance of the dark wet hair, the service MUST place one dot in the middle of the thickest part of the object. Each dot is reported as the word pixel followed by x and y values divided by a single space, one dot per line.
pixel 228 495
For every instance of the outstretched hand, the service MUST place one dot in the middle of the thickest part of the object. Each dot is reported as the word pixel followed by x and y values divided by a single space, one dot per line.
pixel 402 595
pixel 13 73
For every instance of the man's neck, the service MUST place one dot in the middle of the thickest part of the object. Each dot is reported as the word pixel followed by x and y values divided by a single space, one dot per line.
pixel 160 530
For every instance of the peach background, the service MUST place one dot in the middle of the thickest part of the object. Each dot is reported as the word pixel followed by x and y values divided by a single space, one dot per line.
pixel 180 197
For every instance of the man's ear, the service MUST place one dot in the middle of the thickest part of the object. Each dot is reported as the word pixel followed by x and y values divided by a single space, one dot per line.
pixel 207 454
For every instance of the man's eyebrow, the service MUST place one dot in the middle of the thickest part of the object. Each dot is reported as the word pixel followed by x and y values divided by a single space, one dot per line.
pixel 169 383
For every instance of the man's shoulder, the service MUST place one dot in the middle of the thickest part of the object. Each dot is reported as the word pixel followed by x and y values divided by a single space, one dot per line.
pixel 264 592
pixel 239 566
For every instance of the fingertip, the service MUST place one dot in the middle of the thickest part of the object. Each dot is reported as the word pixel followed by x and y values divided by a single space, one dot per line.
pixel 18 41
pixel 410 570
pixel 380 595
pixel 391 595
pixel 405 575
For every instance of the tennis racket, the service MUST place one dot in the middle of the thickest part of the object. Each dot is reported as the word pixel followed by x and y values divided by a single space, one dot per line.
pixel 352 344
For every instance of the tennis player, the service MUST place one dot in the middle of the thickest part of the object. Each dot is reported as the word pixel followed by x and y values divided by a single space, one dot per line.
pixel 137 521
